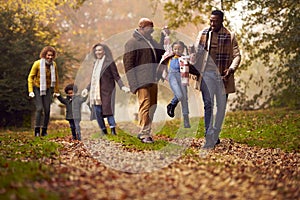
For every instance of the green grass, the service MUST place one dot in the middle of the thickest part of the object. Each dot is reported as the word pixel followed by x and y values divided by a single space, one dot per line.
pixel 132 142
pixel 273 128
pixel 17 178
pixel 170 130
pixel 21 164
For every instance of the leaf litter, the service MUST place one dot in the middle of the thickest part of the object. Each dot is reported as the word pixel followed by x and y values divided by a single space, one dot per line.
pixel 230 171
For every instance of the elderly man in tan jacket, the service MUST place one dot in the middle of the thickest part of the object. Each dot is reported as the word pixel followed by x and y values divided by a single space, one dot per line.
pixel 217 58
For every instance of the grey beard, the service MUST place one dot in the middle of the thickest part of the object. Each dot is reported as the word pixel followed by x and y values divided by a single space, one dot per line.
pixel 48 63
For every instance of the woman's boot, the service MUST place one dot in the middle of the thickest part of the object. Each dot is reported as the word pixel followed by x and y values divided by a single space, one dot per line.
pixel 113 131
pixel 44 132
pixel 37 131
pixel 104 131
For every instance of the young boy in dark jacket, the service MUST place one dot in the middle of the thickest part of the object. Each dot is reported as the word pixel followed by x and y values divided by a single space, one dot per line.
pixel 73 104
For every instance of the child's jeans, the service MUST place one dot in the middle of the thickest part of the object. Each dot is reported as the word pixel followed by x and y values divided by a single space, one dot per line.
pixel 179 90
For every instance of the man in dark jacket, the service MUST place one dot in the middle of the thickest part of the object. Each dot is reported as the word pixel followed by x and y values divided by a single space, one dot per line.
pixel 141 58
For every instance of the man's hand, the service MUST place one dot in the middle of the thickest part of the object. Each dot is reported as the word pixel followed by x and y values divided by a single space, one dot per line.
pixel 31 94
pixel 228 73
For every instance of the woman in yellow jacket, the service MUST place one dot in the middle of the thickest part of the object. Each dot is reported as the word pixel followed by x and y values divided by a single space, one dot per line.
pixel 42 82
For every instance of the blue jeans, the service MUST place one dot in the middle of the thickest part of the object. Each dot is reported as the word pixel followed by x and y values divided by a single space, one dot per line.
pixel 212 88
pixel 174 101
pixel 179 90
pixel 100 118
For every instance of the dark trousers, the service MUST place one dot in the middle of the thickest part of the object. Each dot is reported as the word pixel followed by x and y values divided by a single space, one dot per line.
pixel 42 104
pixel 75 128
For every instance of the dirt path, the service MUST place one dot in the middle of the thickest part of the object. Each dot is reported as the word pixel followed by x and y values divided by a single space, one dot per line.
pixel 230 171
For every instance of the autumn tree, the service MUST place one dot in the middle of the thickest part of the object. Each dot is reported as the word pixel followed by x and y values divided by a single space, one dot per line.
pixel 270 33
pixel 19 46
pixel 25 30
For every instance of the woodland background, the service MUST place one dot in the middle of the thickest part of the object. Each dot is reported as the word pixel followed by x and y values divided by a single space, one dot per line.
pixel 268 34
pixel 258 157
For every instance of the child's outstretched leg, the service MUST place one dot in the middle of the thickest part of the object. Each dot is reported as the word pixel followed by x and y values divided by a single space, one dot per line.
pixel 171 107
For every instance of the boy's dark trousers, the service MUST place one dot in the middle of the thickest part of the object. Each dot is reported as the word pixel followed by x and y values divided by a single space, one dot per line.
pixel 73 128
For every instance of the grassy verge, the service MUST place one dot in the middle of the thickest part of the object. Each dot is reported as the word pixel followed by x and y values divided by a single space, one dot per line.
pixel 170 130
pixel 21 164
pixel 274 128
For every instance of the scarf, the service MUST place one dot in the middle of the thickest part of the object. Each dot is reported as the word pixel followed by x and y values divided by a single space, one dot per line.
pixel 184 70
pixel 223 50
pixel 95 97
pixel 43 81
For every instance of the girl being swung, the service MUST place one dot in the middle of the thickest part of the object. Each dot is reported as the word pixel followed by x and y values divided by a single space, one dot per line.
pixel 176 68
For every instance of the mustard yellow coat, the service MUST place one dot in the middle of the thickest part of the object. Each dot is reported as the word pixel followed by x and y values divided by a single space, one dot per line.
pixel 34 77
